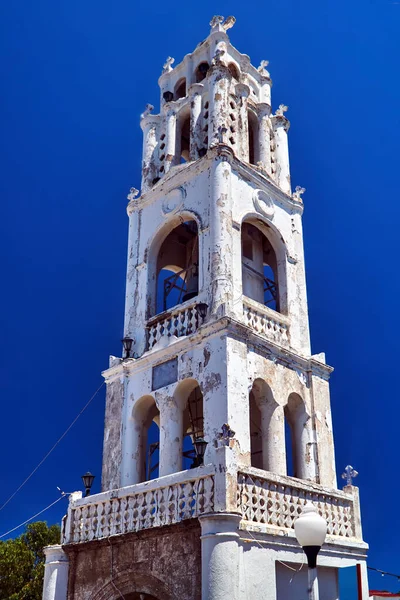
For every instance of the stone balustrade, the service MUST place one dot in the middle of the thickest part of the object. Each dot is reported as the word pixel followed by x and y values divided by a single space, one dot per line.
pixel 267 322
pixel 178 322
pixel 272 503
pixel 163 501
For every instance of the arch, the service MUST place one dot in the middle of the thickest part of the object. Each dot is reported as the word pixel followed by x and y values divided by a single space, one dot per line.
pixel 177 266
pixel 266 429
pixel 263 270
pixel 180 89
pixel 253 126
pixel 234 71
pixel 155 245
pixel 298 420
pixel 190 399
pixel 201 71
pixel 145 438
pixel 133 582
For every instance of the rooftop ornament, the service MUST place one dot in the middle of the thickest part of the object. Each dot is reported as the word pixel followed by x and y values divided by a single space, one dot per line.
pixel 133 192
pixel 298 192
pixel 217 60
pixel 262 70
pixel 349 474
pixel 225 435
pixel 219 23
pixel 147 111
pixel 282 109
pixel 167 67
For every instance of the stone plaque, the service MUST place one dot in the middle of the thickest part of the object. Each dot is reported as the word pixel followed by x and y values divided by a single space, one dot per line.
pixel 165 374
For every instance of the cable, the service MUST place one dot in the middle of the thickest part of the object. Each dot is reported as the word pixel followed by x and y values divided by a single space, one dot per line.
pixel 53 447
pixel 384 572
pixel 64 495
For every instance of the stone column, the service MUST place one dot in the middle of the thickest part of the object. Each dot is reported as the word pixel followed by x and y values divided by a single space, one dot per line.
pixel 219 556
pixel 132 458
pixel 273 437
pixel 265 91
pixel 264 136
pixel 304 440
pixel 171 436
pixel 242 130
pixel 195 92
pixel 55 584
pixel 170 138
pixel 218 77
pixel 280 126
pixel 149 125
pixel 362 575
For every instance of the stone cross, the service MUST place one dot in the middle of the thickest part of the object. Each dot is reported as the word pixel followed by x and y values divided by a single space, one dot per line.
pixel 221 134
pixel 219 52
pixel 219 23
pixel 225 435
pixel 298 192
pixel 349 474
pixel 147 111
pixel 167 67
pixel 282 109
pixel 261 69
pixel 133 192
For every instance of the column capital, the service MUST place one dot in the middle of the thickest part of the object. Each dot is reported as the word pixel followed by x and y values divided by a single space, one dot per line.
pixel 219 523
pixel 55 554
pixel 242 90
pixel 280 121
pixel 195 89
pixel 149 121
pixel 263 109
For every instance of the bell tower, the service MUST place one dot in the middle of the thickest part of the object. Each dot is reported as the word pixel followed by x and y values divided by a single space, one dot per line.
pixel 218 424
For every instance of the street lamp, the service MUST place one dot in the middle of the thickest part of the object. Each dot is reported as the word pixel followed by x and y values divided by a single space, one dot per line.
pixel 310 529
pixel 200 446
pixel 127 342
pixel 87 479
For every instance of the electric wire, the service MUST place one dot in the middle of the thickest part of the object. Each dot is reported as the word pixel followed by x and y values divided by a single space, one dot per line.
pixel 383 573
pixel 63 495
pixel 52 448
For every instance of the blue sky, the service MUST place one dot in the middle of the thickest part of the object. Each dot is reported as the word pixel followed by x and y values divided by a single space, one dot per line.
pixel 75 77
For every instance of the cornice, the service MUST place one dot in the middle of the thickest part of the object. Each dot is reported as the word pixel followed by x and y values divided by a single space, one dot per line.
pixel 178 175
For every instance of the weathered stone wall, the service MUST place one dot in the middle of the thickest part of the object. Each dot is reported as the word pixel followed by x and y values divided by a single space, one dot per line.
pixel 164 562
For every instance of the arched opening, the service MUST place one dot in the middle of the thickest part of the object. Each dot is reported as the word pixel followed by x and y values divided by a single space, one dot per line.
pixel 193 428
pixel 178 267
pixel 266 429
pixel 255 433
pixel 146 439
pixel 234 71
pixel 253 137
pixel 296 418
pixel 259 267
pixel 201 71
pixel 180 89
pixel 183 139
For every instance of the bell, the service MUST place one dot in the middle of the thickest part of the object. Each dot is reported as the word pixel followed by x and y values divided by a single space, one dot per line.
pixel 192 287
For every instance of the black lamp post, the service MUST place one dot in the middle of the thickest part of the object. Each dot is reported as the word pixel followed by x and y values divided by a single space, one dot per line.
pixel 310 529
pixel 200 446
pixel 202 309
pixel 127 342
pixel 87 479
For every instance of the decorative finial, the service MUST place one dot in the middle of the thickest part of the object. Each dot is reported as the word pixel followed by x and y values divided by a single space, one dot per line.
pixel 298 192
pixel 262 70
pixel 133 192
pixel 221 134
pixel 167 67
pixel 349 474
pixel 147 111
pixel 219 52
pixel 282 109
pixel 219 23
pixel 225 435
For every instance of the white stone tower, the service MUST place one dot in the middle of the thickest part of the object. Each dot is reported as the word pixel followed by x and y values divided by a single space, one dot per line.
pixel 216 311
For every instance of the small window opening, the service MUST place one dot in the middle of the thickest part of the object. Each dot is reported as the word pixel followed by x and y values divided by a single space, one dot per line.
pixel 259 267
pixel 234 71
pixel 180 89
pixel 253 136
pixel 201 71
pixel 168 96
pixel 206 105
pixel 178 267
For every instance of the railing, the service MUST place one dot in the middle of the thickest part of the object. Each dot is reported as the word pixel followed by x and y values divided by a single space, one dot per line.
pixel 274 503
pixel 178 322
pixel 164 501
pixel 265 321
